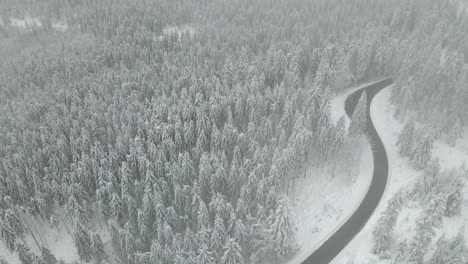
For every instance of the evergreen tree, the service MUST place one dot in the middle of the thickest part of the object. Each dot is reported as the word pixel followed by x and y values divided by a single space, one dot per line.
pixel 204 256
pixel 450 251
pixel 422 152
pixel 405 139
pixel 338 141
pixel 48 257
pixel 24 254
pixel 359 117
pixel 98 248
pixel 455 133
pixel 83 242
pixel 232 253
pixel 383 232
pixel 283 227
pixel 218 236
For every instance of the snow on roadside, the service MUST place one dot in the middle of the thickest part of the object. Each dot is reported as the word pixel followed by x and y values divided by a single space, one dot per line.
pixel 319 205
pixel 402 175
pixel 338 103
pixel 318 199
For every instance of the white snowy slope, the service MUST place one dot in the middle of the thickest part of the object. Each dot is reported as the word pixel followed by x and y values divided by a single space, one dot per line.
pixel 402 175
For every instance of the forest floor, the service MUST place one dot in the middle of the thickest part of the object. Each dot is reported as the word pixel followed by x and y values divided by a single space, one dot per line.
pixel 402 175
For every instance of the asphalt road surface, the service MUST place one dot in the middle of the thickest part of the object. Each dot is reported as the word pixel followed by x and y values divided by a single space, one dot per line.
pixel 333 246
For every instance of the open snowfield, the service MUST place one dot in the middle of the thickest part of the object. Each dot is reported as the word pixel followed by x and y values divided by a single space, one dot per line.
pixel 402 175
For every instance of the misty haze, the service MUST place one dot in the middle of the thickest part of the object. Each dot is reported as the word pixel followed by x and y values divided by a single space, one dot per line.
pixel 233 131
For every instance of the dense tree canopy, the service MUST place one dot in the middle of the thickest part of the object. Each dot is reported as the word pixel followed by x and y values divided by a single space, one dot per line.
pixel 183 144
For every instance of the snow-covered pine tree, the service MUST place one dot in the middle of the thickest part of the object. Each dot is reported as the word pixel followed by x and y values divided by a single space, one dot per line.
pixel 283 227
pixel 83 242
pixel 424 235
pixel 204 256
pixel 338 141
pixel 406 139
pixel 98 248
pixel 455 133
pixel 47 256
pixel 359 117
pixel 450 251
pixel 422 152
pixel 384 229
pixel 8 235
pixel 435 210
pixel 240 233
pixel 232 253
pixel 218 236
pixel 455 194
pixel 24 254
pixel 427 184
pixel 400 252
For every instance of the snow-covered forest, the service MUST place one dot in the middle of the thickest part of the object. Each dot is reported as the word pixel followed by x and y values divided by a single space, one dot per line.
pixel 178 131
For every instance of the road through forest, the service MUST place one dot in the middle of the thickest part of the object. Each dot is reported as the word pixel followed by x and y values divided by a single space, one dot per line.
pixel 333 245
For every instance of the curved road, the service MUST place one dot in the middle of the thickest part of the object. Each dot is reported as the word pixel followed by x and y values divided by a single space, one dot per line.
pixel 333 246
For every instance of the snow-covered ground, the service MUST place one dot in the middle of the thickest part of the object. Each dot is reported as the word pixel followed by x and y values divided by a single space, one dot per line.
pixel 402 175
pixel 33 22
pixel 60 242
pixel 323 204
pixel 181 29
pixel 25 22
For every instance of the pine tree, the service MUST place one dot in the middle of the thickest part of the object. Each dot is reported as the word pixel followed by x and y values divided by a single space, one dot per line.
pixel 232 253
pixel 455 133
pixel 422 152
pixel 455 196
pixel 284 229
pixel 24 254
pixel 405 140
pixel 218 236
pixel 338 141
pixel 98 248
pixel 450 251
pixel 48 257
pixel 424 235
pixel 384 229
pixel 83 243
pixel 205 256
pixel 359 117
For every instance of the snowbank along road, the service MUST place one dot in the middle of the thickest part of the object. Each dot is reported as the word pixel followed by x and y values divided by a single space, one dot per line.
pixel 330 248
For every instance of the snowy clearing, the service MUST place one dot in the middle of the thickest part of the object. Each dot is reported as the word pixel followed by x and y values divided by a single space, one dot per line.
pixel 35 22
pixel 179 30
pixel 59 241
pixel 402 175
pixel 26 22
